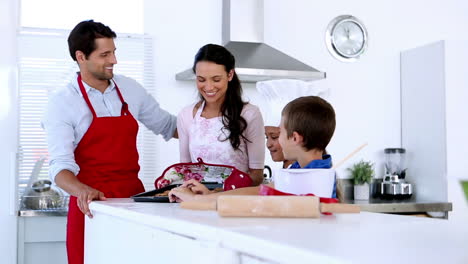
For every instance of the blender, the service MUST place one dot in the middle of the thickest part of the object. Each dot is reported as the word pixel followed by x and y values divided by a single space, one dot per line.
pixel 394 185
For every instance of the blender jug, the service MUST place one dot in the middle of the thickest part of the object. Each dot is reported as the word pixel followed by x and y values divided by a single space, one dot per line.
pixel 394 185
pixel 395 162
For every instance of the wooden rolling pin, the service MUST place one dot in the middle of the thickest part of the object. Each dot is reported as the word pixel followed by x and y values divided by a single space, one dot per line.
pixel 270 206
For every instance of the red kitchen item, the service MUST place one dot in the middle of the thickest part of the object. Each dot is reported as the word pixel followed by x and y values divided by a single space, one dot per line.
pixel 266 190
pixel 108 160
pixel 231 177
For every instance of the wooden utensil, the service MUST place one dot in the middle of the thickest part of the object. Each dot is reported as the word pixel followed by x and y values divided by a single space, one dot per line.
pixel 349 156
pixel 199 205
pixel 269 206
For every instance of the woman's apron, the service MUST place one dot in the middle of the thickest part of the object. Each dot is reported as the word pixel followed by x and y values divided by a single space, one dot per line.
pixel 207 141
pixel 108 159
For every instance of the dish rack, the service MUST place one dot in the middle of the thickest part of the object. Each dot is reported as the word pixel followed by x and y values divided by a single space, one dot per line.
pixel 44 203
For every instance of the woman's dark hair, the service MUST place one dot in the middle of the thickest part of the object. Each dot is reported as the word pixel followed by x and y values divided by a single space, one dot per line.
pixel 83 35
pixel 232 106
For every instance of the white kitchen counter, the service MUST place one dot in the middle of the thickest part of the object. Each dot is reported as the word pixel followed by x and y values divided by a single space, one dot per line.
pixel 123 231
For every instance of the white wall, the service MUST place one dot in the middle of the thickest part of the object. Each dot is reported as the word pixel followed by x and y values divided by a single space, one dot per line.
pixel 179 28
pixel 8 128
pixel 365 94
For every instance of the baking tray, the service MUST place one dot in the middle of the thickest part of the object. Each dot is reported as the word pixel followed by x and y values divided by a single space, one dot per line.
pixel 149 196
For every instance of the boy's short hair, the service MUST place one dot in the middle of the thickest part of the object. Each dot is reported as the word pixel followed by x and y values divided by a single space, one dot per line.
pixel 311 117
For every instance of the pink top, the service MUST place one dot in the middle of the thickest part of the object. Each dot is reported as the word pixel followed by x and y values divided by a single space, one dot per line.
pixel 201 137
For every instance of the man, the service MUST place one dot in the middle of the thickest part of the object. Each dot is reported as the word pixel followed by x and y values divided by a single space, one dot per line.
pixel 91 129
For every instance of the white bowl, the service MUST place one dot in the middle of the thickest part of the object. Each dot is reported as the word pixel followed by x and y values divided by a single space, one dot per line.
pixel 319 182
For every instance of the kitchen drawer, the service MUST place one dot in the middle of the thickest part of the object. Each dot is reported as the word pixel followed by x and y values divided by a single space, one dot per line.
pixel 41 239
pixel 45 253
pixel 44 229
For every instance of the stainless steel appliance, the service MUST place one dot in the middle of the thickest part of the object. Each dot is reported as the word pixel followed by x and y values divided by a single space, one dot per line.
pixel 41 195
pixel 393 184
pixel 243 36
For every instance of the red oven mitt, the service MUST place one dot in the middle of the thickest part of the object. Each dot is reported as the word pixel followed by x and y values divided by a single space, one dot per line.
pixel 232 178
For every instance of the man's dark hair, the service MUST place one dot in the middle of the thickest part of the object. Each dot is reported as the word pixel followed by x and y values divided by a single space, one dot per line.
pixel 311 117
pixel 83 35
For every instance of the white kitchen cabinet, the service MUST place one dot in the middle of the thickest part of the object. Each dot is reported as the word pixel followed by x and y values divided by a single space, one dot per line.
pixel 434 119
pixel 123 231
pixel 142 243
pixel 41 240
pixel 423 118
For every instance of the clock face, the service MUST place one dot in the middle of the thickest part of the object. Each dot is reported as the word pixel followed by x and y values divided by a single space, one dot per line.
pixel 346 38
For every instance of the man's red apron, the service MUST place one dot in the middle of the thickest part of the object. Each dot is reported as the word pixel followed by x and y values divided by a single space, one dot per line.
pixel 108 161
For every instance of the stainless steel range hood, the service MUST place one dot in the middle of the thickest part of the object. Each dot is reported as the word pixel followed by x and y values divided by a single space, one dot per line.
pixel 255 60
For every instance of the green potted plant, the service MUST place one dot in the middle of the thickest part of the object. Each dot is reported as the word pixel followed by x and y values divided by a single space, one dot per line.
pixel 361 174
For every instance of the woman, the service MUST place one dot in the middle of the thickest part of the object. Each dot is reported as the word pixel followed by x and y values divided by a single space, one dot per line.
pixel 221 128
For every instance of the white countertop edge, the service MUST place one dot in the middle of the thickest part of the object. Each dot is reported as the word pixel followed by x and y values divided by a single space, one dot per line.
pixel 159 222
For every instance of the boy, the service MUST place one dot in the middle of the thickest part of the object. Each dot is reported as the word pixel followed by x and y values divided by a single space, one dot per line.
pixel 307 125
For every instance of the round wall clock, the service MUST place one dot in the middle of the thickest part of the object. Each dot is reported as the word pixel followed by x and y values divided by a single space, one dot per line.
pixel 346 38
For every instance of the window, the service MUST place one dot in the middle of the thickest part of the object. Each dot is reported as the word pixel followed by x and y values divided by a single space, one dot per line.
pixel 44 66
pixel 120 15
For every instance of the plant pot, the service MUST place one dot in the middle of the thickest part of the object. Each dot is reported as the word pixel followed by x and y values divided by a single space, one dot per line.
pixel 361 192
